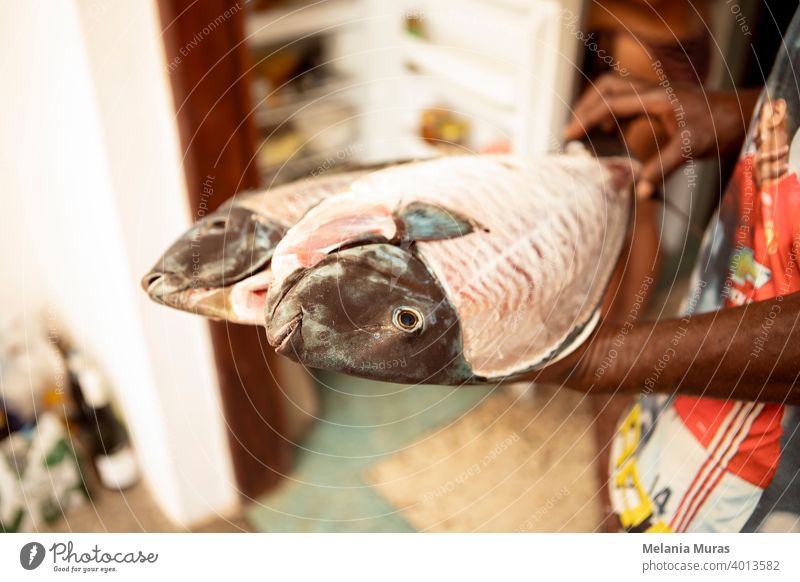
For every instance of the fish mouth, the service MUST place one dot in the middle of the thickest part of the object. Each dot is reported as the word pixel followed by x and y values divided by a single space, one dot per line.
pixel 153 282
pixel 167 288
pixel 281 339
pixel 278 292
pixel 175 293
pixel 239 302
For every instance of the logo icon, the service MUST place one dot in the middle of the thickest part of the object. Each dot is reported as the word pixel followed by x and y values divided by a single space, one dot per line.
pixel 31 555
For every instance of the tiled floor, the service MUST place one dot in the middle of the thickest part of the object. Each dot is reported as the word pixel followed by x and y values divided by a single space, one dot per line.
pixel 363 423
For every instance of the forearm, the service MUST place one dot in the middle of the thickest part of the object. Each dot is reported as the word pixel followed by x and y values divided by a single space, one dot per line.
pixel 745 353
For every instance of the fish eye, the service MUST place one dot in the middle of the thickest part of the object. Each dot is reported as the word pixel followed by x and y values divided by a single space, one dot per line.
pixel 407 319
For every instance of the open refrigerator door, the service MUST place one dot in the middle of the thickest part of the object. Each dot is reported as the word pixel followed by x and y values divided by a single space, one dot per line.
pixel 344 82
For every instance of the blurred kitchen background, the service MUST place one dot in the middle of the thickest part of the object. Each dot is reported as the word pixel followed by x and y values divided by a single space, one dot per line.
pixel 124 121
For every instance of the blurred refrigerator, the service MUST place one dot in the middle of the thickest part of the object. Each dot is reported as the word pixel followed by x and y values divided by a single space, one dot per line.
pixel 348 82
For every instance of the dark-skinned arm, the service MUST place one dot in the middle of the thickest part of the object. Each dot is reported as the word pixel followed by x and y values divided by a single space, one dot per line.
pixel 749 353
pixel 699 123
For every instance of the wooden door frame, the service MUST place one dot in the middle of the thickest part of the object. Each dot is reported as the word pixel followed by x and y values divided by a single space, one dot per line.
pixel 207 65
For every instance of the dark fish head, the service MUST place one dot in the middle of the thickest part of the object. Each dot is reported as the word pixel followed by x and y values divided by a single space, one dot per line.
pixel 373 311
pixel 198 272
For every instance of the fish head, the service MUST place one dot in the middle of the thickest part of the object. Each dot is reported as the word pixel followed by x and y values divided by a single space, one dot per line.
pixel 219 268
pixel 372 310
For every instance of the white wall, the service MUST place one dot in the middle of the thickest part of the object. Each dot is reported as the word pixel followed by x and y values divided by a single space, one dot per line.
pixel 93 190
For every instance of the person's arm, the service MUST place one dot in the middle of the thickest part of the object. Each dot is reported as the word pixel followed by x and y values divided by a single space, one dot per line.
pixel 700 123
pixel 750 353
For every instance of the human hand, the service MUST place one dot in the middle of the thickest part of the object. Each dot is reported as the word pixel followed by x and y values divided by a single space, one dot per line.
pixel 698 123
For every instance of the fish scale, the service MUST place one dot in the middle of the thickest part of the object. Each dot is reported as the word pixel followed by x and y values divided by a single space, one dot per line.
pixel 286 204
pixel 502 295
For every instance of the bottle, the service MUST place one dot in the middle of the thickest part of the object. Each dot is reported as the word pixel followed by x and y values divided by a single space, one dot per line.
pixel 106 438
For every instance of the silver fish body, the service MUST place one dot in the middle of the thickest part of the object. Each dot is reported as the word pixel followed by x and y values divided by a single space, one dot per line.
pixel 517 256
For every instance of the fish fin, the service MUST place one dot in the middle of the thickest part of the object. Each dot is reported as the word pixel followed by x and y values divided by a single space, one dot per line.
pixel 576 338
pixel 420 221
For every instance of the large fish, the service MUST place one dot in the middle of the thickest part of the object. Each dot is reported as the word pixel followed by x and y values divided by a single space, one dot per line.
pixel 220 267
pixel 460 269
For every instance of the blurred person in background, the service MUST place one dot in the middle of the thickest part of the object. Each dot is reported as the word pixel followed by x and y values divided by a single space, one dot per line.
pixel 712 443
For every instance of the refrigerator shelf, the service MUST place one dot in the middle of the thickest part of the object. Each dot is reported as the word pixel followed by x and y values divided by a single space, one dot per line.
pixel 483 77
pixel 286 23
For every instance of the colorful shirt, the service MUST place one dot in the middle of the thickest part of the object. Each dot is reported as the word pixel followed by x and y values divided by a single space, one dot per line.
pixel 705 465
